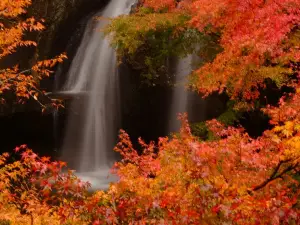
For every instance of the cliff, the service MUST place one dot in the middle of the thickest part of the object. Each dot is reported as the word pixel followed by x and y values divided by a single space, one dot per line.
pixel 61 20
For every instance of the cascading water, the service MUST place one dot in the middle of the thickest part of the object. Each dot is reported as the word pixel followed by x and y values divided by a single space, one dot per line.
pixel 93 118
pixel 180 95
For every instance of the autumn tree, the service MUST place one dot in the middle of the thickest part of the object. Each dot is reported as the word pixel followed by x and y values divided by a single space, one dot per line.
pixel 21 183
pixel 36 185
pixel 257 40
pixel 13 29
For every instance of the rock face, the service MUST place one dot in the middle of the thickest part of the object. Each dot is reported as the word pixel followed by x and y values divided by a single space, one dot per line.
pixel 61 19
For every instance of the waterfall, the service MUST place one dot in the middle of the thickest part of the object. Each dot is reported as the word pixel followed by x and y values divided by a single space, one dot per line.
pixel 180 96
pixel 93 119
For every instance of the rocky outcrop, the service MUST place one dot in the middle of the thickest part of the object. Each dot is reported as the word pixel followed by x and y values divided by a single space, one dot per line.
pixel 61 20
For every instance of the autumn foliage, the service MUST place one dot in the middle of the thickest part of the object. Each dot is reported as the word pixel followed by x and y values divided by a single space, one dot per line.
pixel 161 4
pixel 259 40
pixel 256 38
pixel 233 178
pixel 35 185
pixel 13 28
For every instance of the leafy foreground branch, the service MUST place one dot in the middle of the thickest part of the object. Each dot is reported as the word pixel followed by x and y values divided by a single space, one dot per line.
pixel 24 84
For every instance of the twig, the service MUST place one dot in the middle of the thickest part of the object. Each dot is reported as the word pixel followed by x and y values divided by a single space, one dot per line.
pixel 38 90
pixel 18 74
pixel 36 99
pixel 274 176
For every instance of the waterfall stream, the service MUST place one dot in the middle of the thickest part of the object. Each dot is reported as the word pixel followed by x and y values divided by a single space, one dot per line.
pixel 93 119
pixel 180 96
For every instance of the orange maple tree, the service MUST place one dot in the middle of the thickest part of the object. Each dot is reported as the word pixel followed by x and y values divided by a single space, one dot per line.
pixel 13 28
pixel 36 185
pixel 259 41
pixel 256 41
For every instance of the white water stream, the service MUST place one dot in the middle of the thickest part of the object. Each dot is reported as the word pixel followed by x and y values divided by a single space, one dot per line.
pixel 180 96
pixel 93 119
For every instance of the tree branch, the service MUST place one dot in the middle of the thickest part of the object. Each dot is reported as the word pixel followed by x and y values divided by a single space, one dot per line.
pixel 274 176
